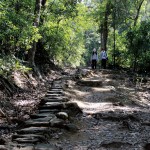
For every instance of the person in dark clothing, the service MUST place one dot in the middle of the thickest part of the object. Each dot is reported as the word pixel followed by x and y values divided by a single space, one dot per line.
pixel 103 58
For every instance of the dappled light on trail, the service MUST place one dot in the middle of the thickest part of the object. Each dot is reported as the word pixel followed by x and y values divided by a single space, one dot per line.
pixel 93 108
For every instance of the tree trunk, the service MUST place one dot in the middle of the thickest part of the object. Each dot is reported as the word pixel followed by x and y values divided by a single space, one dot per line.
pixel 104 27
pixel 135 22
pixel 138 12
pixel 31 54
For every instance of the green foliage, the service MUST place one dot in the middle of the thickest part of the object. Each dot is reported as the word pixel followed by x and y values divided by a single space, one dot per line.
pixel 11 63
pixel 17 31
pixel 64 35
pixel 69 30
pixel 139 44
pixel 120 51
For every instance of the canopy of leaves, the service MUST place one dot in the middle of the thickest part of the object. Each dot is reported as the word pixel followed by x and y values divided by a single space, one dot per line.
pixel 69 30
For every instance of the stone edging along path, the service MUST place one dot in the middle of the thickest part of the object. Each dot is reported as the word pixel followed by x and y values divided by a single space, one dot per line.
pixel 54 112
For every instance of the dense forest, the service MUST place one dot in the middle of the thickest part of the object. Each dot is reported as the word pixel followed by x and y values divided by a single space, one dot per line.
pixel 50 95
pixel 36 34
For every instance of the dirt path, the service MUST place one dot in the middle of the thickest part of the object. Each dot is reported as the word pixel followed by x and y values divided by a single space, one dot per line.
pixel 112 114
pixel 115 113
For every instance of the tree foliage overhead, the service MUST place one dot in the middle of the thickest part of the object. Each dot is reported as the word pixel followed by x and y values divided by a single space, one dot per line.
pixel 66 31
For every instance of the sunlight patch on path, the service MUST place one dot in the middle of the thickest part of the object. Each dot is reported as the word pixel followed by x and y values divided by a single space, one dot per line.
pixel 91 108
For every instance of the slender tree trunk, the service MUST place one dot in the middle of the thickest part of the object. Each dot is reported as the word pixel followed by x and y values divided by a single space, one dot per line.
pixel 138 12
pixel 31 54
pixel 104 28
pixel 135 22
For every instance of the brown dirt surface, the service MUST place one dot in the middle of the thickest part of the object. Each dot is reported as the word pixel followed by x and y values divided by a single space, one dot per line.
pixel 115 106
pixel 115 111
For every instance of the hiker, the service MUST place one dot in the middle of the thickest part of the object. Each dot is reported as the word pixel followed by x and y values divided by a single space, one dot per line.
pixel 103 58
pixel 94 58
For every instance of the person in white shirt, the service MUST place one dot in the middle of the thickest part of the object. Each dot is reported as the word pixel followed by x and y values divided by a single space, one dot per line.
pixel 103 58
pixel 94 58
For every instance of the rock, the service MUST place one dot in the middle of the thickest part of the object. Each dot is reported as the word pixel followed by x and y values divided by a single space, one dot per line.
pixel 53 105
pixel 73 108
pixel 31 140
pixel 46 147
pixel 32 130
pixel 56 92
pixel 42 115
pixel 40 137
pixel 53 95
pixel 62 115
pixel 147 146
pixel 92 82
pixel 2 147
pixel 2 141
pixel 56 122
pixel 71 127
pixel 23 148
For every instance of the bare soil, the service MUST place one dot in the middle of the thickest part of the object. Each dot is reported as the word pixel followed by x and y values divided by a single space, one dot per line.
pixel 115 109
pixel 115 112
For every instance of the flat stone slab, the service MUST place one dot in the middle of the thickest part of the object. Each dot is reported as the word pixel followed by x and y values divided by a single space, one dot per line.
pixel 42 115
pixel 46 147
pixel 56 97
pixel 43 110
pixel 90 82
pixel 32 130
pixel 37 124
pixel 41 137
pixel 56 89
pixel 52 105
pixel 31 140
pixel 46 99
pixel 55 92
pixel 2 147
pixel 56 86
pixel 53 95
pixel 56 122
pixel 23 148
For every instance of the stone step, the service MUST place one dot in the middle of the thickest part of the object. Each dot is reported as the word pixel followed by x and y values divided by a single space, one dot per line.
pixel 58 105
pixel 38 122
pixel 56 86
pixel 53 105
pixel 23 147
pixel 56 89
pixel 42 115
pixel 54 100
pixel 40 137
pixel 55 92
pixel 47 147
pixel 92 83
pixel 3 147
pixel 54 95
pixel 27 140
pixel 33 130
pixel 35 147
pixel 52 111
